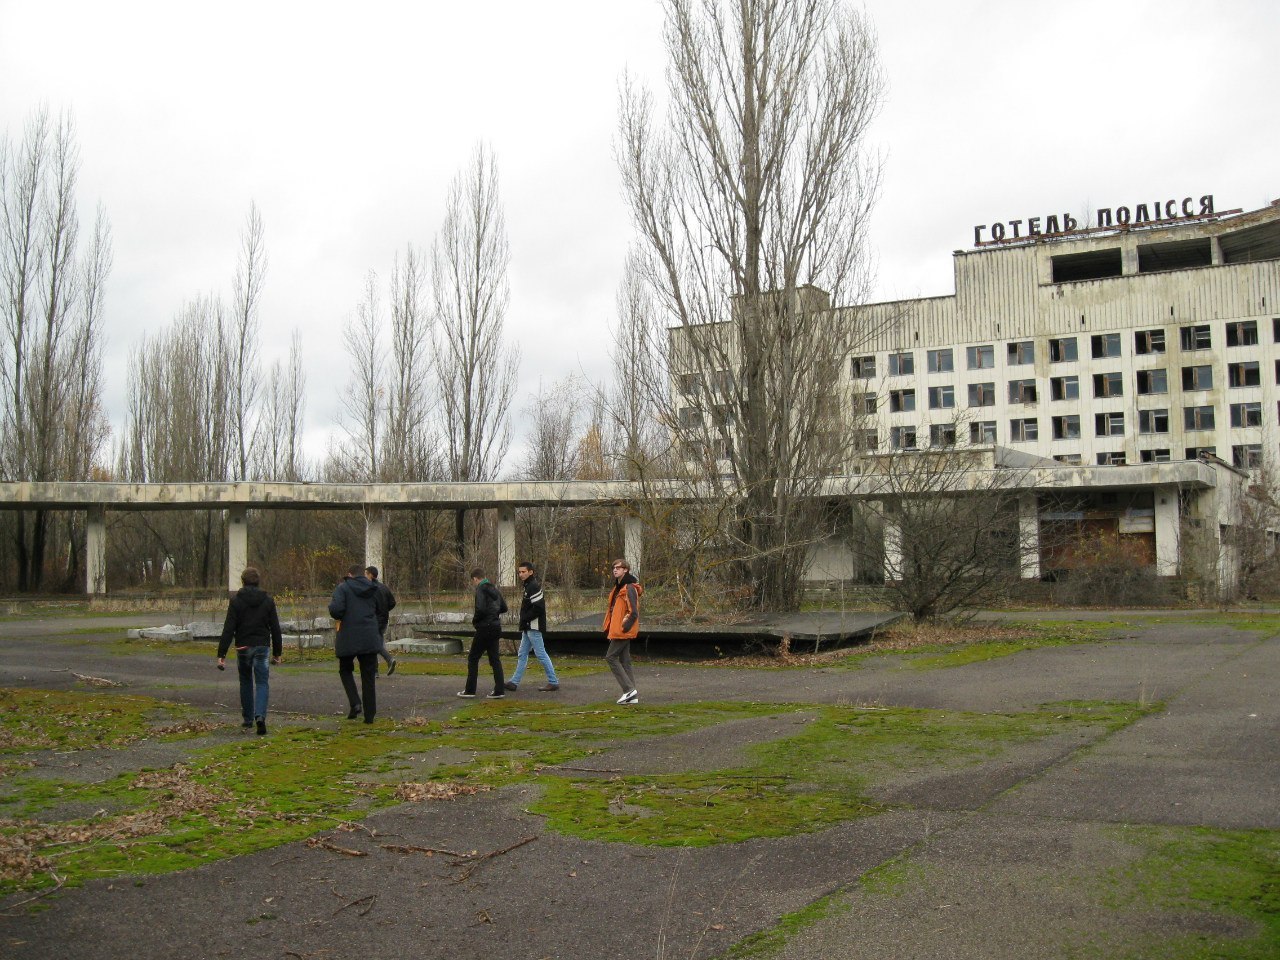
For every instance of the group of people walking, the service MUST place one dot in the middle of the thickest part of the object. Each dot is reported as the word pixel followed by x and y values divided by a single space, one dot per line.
pixel 361 606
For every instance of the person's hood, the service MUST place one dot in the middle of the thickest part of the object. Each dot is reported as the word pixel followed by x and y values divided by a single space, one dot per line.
pixel 362 586
pixel 252 596
pixel 626 578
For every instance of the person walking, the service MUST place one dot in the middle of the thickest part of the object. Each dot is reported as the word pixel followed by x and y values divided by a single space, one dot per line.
pixel 251 624
pixel 533 608
pixel 489 607
pixel 385 602
pixel 354 606
pixel 621 626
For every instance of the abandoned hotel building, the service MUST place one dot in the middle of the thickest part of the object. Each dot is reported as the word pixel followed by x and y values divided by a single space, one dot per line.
pixel 1132 364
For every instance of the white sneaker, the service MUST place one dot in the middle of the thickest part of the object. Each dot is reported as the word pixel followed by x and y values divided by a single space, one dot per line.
pixel 631 696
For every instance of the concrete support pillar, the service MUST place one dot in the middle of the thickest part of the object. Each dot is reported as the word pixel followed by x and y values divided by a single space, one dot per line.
pixel 1167 533
pixel 633 543
pixel 1129 259
pixel 375 533
pixel 506 547
pixel 892 547
pixel 95 551
pixel 1029 536
pixel 237 546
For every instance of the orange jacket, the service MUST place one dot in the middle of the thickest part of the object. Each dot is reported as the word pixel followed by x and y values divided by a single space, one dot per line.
pixel 624 608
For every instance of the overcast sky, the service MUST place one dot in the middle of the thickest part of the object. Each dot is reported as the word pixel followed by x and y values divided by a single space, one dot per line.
pixel 346 122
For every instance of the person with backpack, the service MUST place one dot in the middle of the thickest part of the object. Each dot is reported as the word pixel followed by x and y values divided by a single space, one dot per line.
pixel 384 602
pixel 488 609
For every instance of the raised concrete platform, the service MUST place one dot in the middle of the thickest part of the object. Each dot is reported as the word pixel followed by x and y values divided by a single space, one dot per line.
pixel 436 646
pixel 805 630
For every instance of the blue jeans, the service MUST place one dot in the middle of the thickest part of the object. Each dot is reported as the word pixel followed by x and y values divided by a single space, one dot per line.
pixel 532 640
pixel 254 666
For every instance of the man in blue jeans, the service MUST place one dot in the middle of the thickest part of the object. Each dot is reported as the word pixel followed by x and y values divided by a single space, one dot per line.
pixel 252 623
pixel 533 607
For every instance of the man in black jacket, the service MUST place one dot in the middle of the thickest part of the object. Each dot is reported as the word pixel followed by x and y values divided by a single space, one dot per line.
pixel 251 623
pixel 533 610
pixel 356 638
pixel 489 607
pixel 385 602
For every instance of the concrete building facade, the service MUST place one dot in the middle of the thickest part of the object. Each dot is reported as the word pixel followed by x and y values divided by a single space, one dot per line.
pixel 1152 341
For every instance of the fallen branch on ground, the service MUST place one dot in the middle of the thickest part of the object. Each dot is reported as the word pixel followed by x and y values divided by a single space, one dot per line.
pixel 466 874
pixel 324 844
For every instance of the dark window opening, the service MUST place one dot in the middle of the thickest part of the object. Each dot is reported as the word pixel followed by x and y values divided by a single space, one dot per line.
pixel 1174 255
pixel 1094 265
pixel 1252 243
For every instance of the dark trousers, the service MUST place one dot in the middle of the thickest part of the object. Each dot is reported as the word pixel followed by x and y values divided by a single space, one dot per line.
pixel 368 671
pixel 485 641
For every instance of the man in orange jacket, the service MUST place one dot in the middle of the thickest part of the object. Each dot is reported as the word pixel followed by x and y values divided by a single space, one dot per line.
pixel 621 626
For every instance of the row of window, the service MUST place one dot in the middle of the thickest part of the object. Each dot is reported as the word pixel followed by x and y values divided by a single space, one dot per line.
pixel 1243 333
pixel 1148 383
pixel 1243 455
pixel 1150 422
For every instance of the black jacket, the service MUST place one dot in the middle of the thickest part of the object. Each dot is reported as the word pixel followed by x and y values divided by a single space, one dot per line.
pixel 251 621
pixel 489 606
pixel 353 603
pixel 384 602
pixel 533 606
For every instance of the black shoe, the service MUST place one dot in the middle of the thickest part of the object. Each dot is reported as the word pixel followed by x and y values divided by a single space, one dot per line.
pixel 496 695
pixel 391 667
pixel 354 711
pixel 511 686
pixel 247 725
pixel 262 726
pixel 466 696
pixel 368 719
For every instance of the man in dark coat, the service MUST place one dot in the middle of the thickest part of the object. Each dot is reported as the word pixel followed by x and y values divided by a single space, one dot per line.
pixel 354 606
pixel 489 607
pixel 385 602
pixel 533 624
pixel 252 623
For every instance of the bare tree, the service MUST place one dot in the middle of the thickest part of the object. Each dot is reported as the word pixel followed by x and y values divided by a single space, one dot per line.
pixel 50 317
pixel 639 442
pixel 410 452
pixel 280 457
pixel 364 396
pixel 555 416
pixel 246 380
pixel 752 207
pixel 476 369
pixel 180 388
pixel 940 526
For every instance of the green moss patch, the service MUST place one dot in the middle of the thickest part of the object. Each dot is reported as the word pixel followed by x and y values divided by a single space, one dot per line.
pixel 1203 883
pixel 806 782
pixel 72 720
